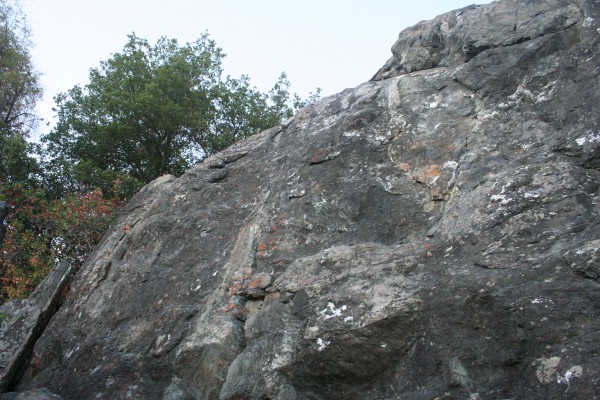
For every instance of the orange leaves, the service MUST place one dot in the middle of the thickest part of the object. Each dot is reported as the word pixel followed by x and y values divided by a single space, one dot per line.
pixel 42 231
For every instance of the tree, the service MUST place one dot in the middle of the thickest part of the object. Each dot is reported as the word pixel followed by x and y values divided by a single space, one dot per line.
pixel 19 91
pixel 153 110
pixel 19 84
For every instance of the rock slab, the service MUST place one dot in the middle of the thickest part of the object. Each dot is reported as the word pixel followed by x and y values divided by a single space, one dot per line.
pixel 430 234
pixel 23 321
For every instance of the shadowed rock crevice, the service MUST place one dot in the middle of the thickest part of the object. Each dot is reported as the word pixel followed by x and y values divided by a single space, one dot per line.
pixel 433 234
pixel 24 322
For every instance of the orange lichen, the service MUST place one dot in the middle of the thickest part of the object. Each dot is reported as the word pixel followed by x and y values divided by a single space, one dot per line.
pixel 404 166
pixel 433 170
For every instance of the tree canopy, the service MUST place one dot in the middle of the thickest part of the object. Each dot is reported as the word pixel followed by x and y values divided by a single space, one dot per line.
pixel 157 109
pixel 19 91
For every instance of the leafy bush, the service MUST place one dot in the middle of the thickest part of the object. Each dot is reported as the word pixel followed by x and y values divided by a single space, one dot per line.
pixel 41 232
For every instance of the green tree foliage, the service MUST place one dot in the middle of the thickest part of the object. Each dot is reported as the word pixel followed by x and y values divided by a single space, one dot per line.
pixel 19 92
pixel 157 109
pixel 19 84
pixel 42 226
pixel 16 163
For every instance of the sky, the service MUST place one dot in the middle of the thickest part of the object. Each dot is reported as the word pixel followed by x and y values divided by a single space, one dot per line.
pixel 329 44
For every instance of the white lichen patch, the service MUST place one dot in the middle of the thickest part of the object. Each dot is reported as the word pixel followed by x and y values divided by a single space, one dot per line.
pixel 311 332
pixel 588 249
pixel 584 251
pixel 539 300
pixel 160 340
pixel 331 311
pixel 589 21
pixel 573 372
pixel 321 344
pixel 197 286
pixel 70 353
pixel 283 354
pixel 351 134
pixel 534 194
pixel 348 319
pixel 381 138
pixel 590 138
pixel 393 96
pixel 527 146
pixel 296 192
pixel 387 184
pixel 522 93
pixel 546 93
pixel 452 166
pixel 546 370
pixel 501 198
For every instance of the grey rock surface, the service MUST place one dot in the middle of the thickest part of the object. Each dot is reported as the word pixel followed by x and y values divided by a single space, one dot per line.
pixel 25 320
pixel 430 235
pixel 35 394
pixel 458 36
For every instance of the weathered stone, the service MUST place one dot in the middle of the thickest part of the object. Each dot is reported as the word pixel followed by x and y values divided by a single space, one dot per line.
pixel 36 394
pixel 429 235
pixel 458 36
pixel 25 320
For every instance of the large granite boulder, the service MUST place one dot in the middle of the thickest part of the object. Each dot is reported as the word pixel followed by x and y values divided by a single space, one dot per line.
pixel 430 234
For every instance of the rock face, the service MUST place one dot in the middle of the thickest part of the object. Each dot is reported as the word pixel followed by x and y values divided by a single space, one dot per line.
pixel 23 321
pixel 430 234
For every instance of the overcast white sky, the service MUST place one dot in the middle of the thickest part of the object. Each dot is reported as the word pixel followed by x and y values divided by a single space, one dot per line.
pixel 331 44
